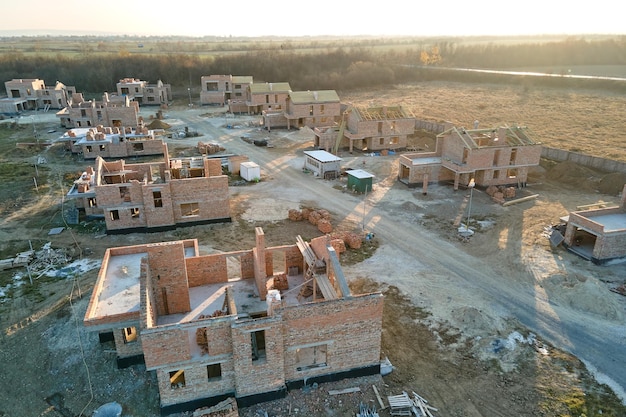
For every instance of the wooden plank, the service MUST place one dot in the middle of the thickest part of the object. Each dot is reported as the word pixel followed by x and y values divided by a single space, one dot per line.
pixel 380 400
pixel 326 287
pixel 520 200
pixel 344 391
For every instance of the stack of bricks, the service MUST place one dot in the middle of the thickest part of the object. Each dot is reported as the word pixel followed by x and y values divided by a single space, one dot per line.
pixel 279 282
pixel 324 226
pixel 351 240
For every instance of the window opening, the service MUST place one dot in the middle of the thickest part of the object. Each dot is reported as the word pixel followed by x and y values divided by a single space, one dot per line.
pixel 258 345
pixel 177 379
pixel 214 371
pixel 158 200
pixel 189 209
pixel 311 357
pixel 130 334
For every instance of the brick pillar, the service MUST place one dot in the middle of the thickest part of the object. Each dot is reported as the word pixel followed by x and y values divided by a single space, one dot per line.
pixel 260 265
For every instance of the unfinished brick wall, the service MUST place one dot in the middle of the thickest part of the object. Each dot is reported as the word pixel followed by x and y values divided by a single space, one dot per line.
pixel 268 372
pixel 125 348
pixel 351 328
pixel 165 346
pixel 169 277
pixel 211 195
pixel 209 269
pixel 608 245
pixel 197 384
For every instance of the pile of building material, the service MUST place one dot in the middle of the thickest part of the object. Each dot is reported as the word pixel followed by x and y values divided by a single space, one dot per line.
pixel 280 282
pixel 405 405
pixel 366 410
pixel 206 148
pixel 21 259
pixel 226 408
pixel 351 240
pixel 319 218
pixel 500 193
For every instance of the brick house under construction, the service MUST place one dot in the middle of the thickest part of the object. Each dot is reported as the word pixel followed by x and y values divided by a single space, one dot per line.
pixel 498 156
pixel 312 109
pixel 143 92
pixel 113 142
pixel 250 324
pixel 597 234
pixel 225 90
pixel 377 128
pixel 113 111
pixel 33 94
pixel 154 196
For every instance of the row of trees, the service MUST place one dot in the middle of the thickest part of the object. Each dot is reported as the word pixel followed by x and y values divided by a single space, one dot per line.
pixel 337 68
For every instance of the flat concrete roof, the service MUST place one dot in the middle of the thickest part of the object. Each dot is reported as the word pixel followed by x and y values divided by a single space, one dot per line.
pixel 611 222
pixel 119 292
pixel 426 161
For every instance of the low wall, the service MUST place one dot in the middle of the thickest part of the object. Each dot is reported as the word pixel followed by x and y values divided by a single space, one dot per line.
pixel 602 164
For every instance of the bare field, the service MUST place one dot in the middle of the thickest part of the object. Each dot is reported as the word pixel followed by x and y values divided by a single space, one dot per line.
pixel 588 122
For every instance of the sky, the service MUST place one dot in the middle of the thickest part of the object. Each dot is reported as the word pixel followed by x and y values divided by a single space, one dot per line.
pixel 315 18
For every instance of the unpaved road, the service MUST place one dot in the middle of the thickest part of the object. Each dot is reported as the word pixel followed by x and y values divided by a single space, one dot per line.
pixel 439 274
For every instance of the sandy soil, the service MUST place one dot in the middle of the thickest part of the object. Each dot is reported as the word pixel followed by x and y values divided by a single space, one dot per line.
pixel 461 339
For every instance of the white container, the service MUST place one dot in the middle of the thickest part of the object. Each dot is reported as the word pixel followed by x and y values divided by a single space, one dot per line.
pixel 250 171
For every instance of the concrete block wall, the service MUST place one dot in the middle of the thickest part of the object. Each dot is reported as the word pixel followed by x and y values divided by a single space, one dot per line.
pixel 268 372
pixel 351 328
pixel 169 277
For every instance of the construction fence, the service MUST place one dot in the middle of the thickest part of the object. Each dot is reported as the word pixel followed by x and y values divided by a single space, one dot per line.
pixel 602 164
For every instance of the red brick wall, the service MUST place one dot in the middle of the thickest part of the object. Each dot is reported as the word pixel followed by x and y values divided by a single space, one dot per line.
pixel 209 269
pixel 268 373
pixel 352 327
pixel 169 277
pixel 162 347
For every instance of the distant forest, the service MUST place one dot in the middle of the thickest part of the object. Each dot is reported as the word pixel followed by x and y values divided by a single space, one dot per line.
pixel 96 66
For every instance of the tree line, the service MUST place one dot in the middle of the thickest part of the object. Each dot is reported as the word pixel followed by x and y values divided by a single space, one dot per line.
pixel 337 68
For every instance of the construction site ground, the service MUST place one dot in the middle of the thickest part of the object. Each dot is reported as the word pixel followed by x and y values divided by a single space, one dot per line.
pixel 501 324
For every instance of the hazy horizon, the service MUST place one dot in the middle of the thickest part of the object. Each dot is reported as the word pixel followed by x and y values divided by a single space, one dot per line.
pixel 322 18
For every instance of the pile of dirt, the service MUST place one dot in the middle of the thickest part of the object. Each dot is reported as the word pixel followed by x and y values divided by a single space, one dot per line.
pixel 613 183
pixel 573 174
pixel 158 124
